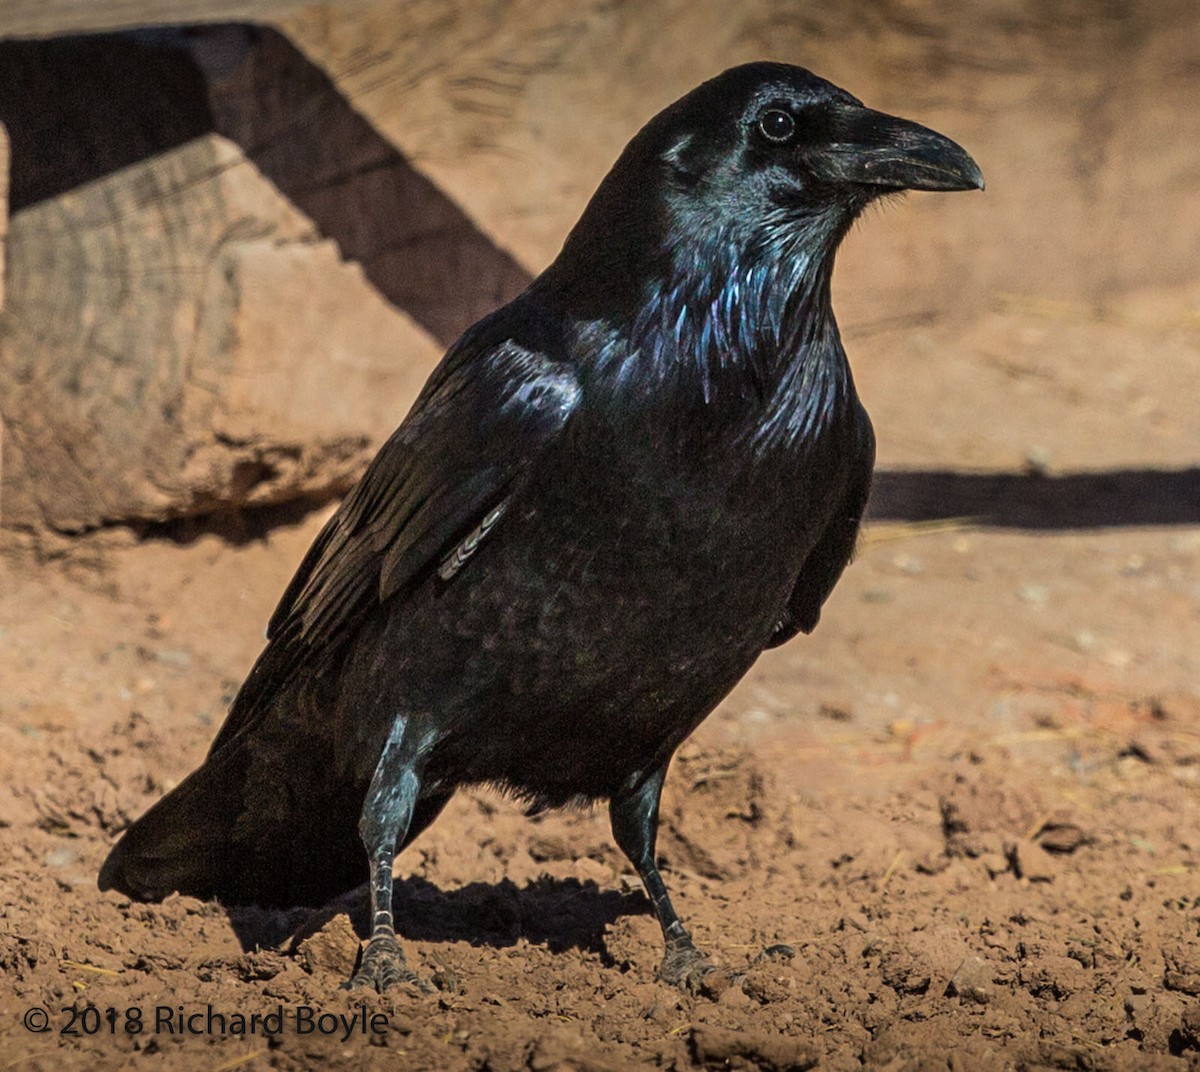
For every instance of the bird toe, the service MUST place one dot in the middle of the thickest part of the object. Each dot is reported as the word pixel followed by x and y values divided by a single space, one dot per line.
pixel 383 966
pixel 684 966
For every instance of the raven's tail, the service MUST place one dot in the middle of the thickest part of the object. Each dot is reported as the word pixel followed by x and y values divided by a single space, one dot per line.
pixel 245 829
pixel 184 842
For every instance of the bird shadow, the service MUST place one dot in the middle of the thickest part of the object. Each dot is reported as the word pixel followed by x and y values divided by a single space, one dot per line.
pixel 560 914
pixel 1031 502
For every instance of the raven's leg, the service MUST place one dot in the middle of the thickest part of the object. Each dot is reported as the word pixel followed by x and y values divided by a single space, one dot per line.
pixel 634 815
pixel 391 809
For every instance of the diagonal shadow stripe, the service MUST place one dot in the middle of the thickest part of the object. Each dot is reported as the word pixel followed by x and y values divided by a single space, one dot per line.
pixel 1114 499
pixel 79 108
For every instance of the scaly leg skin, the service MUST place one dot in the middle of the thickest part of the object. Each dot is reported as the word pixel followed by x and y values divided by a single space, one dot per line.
pixel 386 816
pixel 383 963
pixel 634 816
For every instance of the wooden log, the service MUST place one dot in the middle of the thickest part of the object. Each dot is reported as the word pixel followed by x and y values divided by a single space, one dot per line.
pixel 180 337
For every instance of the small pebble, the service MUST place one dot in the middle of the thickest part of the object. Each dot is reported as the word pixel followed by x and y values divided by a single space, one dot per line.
pixel 1061 837
pixel 1037 461
pixel 61 857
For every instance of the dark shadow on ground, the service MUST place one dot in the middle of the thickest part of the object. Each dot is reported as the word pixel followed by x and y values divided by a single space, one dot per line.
pixel 1121 498
pixel 559 914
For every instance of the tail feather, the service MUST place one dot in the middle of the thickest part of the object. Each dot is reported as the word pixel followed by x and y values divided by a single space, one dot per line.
pixel 245 829
pixel 183 842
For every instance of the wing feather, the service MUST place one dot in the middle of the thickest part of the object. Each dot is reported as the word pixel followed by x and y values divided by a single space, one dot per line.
pixel 835 548
pixel 485 416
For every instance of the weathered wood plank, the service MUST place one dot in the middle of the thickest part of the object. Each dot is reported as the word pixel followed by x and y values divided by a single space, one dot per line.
pixel 179 336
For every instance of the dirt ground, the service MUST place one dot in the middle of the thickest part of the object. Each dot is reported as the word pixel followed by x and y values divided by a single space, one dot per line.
pixel 967 805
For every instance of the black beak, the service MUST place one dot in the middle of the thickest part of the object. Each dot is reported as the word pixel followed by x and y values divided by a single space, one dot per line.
pixel 874 149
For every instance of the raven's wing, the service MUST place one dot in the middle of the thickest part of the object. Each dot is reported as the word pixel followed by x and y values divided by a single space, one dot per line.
pixel 835 548
pixel 435 488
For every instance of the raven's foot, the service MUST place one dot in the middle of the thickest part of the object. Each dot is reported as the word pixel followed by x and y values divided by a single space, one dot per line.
pixel 684 966
pixel 382 966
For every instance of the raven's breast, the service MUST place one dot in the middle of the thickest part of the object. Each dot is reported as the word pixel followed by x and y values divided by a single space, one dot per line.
pixel 607 614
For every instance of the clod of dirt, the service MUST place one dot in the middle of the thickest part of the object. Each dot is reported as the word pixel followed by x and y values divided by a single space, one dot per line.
pixel 980 813
pixel 960 840
pixel 749 1051
pixel 1062 837
pixel 905 971
pixel 996 864
pixel 334 948
pixel 1182 972
pixel 972 982
pixel 1051 976
pixel 767 983
pixel 1186 1037
pixel 929 864
pixel 260 965
pixel 1031 862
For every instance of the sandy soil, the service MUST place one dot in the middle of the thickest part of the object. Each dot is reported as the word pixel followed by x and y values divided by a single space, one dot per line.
pixel 968 804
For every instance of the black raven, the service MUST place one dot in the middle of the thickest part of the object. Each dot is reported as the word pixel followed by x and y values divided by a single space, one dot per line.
pixel 610 497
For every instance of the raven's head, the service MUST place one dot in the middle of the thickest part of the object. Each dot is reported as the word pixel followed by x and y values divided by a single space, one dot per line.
pixel 709 245
pixel 766 140
pixel 761 153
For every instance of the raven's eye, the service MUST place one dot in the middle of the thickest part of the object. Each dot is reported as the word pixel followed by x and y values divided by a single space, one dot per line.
pixel 776 125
